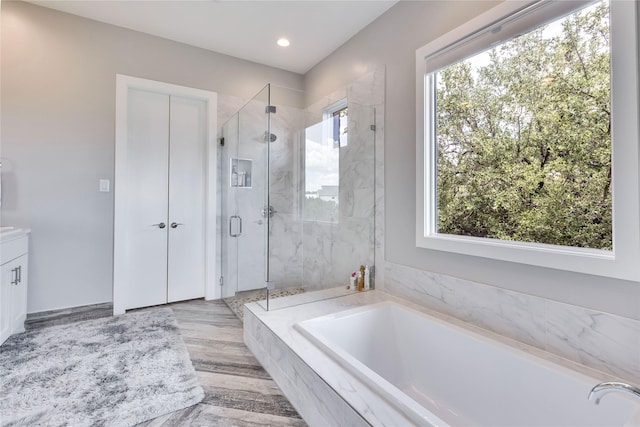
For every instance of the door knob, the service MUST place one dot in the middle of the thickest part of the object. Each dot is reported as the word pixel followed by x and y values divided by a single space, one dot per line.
pixel 176 224
pixel 161 225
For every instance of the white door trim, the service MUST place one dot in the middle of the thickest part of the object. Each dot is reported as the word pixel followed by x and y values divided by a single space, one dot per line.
pixel 123 84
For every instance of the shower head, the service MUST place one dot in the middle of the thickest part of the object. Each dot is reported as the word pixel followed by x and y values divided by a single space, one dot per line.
pixel 271 137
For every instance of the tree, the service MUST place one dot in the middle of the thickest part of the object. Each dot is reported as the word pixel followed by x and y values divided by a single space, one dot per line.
pixel 524 142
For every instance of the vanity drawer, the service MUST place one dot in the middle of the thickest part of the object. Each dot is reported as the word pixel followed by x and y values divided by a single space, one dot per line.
pixel 12 249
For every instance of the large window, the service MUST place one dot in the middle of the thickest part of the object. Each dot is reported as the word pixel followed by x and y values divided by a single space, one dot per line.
pixel 517 131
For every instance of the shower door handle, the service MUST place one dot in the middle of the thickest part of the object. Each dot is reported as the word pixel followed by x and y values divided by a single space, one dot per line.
pixel 235 219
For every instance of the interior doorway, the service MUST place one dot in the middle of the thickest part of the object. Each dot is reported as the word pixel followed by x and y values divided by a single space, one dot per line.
pixel 164 222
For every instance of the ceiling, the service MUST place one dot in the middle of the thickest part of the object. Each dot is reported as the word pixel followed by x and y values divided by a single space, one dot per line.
pixel 244 29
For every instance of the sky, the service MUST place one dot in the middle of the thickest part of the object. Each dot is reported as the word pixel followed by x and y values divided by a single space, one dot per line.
pixel 322 161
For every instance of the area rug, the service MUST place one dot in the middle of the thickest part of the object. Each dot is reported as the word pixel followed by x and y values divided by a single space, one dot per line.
pixel 115 371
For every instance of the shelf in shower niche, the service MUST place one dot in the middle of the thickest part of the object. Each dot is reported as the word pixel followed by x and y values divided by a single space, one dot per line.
pixel 240 173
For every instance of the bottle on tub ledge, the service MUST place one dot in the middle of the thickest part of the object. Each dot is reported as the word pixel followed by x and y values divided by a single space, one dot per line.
pixel 352 281
pixel 360 280
pixel 367 278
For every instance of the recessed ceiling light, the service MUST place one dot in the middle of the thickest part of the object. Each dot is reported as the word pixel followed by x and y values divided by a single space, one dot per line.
pixel 283 42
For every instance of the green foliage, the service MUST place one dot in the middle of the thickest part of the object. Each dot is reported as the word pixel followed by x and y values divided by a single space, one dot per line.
pixel 524 142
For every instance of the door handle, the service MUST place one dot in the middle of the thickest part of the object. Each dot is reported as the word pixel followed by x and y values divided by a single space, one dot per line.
pixel 14 276
pixel 231 219
pixel 19 274
pixel 176 224
pixel 160 225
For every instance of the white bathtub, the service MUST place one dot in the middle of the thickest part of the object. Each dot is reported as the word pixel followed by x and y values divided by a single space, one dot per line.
pixel 439 374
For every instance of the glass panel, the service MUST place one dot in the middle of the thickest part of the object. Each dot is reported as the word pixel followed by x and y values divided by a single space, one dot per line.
pixel 275 161
pixel 244 184
pixel 285 227
pixel 312 161
pixel 250 174
pixel 230 224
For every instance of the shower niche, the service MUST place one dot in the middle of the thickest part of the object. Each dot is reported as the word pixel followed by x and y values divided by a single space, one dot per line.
pixel 240 173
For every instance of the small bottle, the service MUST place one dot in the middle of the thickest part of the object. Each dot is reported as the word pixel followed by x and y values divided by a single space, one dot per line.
pixel 234 177
pixel 352 281
pixel 361 279
pixel 367 278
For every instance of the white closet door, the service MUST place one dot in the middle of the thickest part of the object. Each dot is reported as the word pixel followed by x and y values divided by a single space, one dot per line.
pixel 186 248
pixel 147 190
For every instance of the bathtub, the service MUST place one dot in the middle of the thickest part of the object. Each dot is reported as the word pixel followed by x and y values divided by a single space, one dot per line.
pixel 440 374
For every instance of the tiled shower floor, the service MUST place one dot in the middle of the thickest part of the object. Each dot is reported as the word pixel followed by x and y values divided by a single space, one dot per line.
pixel 237 302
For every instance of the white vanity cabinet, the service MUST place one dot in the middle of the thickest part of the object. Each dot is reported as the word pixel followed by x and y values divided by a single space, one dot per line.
pixel 14 259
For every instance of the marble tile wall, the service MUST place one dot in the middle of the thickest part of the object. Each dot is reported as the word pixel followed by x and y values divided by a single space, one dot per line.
pixel 599 340
pixel 333 250
pixel 285 233
pixel 315 255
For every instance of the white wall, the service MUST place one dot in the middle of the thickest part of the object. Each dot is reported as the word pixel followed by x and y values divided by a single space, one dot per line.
pixel 58 108
pixel 392 40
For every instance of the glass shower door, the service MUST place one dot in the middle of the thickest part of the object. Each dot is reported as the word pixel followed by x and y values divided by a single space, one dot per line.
pixel 245 179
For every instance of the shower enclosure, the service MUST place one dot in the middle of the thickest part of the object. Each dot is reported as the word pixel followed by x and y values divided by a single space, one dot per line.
pixel 298 190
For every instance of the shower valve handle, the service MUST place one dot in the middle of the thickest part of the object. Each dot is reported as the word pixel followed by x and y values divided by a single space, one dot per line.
pixel 268 211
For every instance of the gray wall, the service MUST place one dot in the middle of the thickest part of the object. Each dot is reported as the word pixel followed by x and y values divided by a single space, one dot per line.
pixel 58 110
pixel 392 40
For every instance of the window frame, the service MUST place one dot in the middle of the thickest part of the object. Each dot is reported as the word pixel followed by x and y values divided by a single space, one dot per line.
pixel 327 118
pixel 623 261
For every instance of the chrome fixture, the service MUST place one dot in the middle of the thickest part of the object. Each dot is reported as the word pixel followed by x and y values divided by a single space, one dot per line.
pixel 604 388
pixel 270 137
pixel 268 211
pixel 160 225
pixel 176 224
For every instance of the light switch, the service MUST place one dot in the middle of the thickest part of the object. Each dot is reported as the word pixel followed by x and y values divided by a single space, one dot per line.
pixel 104 185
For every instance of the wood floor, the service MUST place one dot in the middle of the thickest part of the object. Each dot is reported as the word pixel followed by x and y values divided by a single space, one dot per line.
pixel 238 391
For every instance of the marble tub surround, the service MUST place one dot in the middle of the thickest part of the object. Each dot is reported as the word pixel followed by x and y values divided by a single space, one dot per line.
pixel 312 379
pixel 599 340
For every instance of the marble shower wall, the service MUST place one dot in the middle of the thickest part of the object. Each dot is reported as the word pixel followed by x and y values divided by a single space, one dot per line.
pixel 311 254
pixel 333 250
pixel 286 187
pixel 602 341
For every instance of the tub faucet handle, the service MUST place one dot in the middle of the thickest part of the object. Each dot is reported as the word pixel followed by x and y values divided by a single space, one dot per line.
pixel 607 387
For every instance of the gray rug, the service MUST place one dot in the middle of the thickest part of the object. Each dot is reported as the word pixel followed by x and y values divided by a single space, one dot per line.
pixel 116 371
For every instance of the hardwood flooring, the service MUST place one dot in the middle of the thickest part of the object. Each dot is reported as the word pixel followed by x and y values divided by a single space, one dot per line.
pixel 66 316
pixel 238 391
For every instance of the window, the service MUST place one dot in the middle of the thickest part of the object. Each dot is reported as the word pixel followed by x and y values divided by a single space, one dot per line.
pixel 322 163
pixel 527 123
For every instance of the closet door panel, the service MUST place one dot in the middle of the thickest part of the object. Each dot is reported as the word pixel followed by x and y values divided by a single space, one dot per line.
pixel 186 246
pixel 147 189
